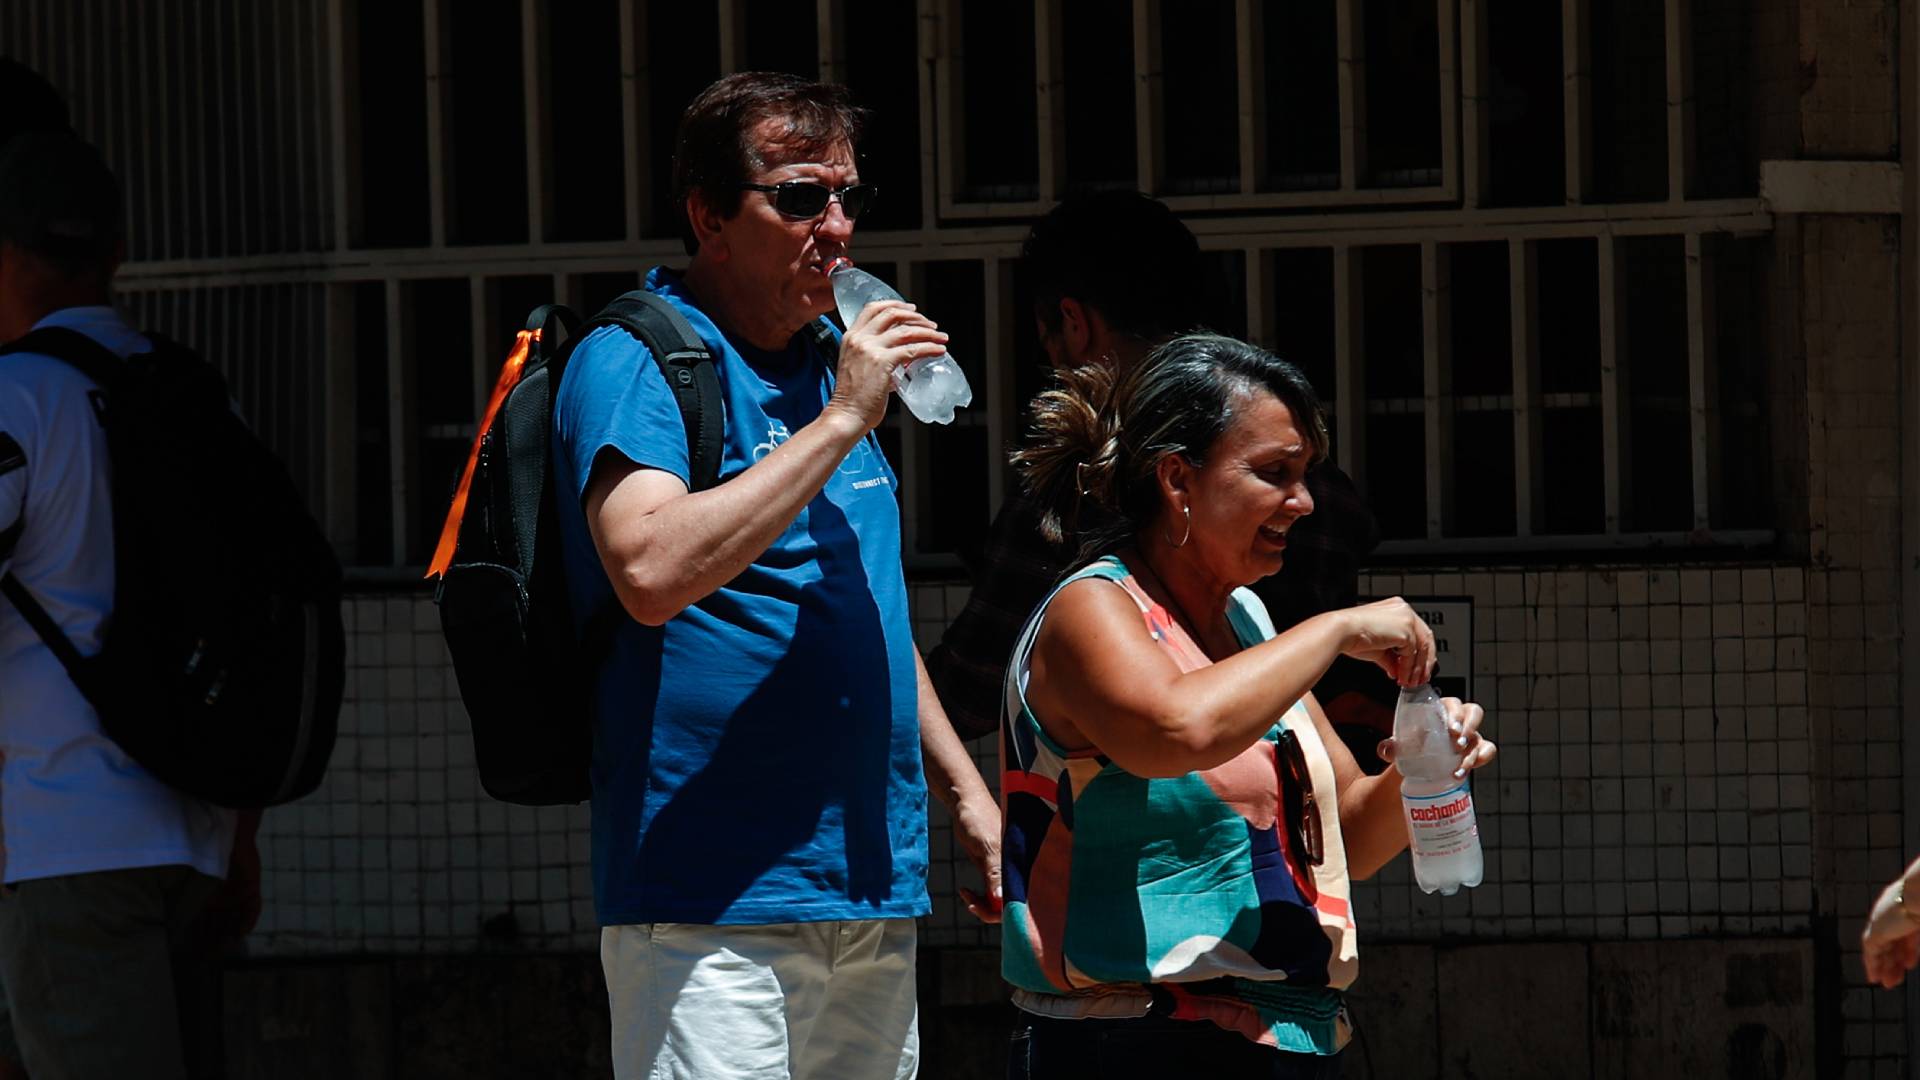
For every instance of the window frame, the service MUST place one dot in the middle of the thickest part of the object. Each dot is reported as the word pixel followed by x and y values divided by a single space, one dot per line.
pixel 1251 222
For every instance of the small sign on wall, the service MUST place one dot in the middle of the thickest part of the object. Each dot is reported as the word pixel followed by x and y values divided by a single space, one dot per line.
pixel 1451 619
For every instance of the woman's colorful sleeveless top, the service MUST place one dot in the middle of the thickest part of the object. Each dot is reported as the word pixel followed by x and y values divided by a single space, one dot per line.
pixel 1188 897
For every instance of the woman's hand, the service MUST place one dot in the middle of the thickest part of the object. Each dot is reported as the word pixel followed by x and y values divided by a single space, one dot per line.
pixel 1389 633
pixel 1463 720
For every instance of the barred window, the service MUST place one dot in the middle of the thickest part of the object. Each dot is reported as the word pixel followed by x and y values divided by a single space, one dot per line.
pixel 1530 284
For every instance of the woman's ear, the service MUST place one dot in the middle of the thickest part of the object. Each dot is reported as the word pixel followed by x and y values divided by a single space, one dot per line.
pixel 1175 474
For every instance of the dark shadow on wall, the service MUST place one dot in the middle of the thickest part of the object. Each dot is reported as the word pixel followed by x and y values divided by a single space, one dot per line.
pixel 523 1016
pixel 1698 1007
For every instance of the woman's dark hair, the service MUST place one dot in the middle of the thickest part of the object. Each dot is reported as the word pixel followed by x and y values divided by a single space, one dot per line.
pixel 1097 436
pixel 715 150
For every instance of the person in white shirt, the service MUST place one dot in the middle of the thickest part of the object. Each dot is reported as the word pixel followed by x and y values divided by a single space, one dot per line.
pixel 33 104
pixel 112 880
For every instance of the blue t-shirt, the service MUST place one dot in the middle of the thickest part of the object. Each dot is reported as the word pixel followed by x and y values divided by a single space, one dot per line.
pixel 756 759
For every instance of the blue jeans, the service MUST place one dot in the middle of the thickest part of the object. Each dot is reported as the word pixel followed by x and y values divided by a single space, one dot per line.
pixel 1046 1048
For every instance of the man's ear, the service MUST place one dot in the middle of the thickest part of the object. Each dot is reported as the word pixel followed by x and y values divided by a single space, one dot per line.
pixel 1075 330
pixel 706 222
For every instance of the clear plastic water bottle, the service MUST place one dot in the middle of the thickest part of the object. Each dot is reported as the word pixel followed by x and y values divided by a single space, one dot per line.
pixel 932 386
pixel 1439 805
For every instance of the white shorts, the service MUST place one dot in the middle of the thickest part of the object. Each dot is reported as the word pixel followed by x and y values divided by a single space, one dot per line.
pixel 790 1001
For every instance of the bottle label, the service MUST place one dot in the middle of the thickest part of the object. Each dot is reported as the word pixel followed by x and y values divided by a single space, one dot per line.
pixel 1441 825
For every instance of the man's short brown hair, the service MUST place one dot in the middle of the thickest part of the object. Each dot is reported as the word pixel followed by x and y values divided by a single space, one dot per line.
pixel 715 149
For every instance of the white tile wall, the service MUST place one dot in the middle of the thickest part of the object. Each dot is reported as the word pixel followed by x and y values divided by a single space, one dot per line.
pixel 1653 782
pixel 1644 719
pixel 400 850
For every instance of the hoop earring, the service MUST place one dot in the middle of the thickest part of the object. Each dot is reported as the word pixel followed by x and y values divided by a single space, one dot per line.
pixel 1186 511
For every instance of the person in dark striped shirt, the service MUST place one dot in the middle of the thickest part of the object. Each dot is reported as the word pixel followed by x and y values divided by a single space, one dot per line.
pixel 1115 273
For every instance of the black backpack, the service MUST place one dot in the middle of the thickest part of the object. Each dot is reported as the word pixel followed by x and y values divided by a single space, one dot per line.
pixel 526 675
pixel 223 660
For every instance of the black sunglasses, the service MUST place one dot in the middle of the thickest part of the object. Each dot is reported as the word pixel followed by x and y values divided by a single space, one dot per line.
pixel 810 198
pixel 1297 801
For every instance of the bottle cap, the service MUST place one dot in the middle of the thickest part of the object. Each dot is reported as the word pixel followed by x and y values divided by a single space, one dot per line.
pixel 838 263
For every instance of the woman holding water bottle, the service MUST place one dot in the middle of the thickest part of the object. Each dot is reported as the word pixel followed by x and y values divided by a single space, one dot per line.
pixel 1181 823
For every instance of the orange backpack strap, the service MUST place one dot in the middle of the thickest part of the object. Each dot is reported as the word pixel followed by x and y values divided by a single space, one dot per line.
pixel 523 343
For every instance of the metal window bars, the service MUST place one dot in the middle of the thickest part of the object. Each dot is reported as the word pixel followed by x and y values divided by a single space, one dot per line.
pixel 249 171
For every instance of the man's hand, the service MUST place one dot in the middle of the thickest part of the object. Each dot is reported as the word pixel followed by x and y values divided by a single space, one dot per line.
pixel 233 910
pixel 953 779
pixel 887 334
pixel 976 822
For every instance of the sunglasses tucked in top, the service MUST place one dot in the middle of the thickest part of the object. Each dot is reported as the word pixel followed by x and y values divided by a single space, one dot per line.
pixel 810 198
pixel 1299 806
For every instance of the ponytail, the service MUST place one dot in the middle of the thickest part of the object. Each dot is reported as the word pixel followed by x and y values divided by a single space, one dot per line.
pixel 1071 456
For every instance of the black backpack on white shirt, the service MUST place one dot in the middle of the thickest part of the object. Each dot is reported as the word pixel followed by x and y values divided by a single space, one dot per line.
pixel 223 663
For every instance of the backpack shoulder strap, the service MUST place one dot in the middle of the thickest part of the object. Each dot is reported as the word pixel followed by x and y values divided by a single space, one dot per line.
pixel 690 371
pixel 94 360
pixel 825 339
pixel 530 427
pixel 553 325
pixel 43 624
